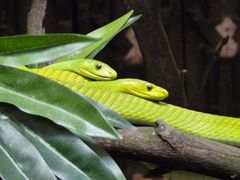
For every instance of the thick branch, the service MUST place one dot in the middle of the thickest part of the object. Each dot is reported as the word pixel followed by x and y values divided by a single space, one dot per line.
pixel 36 16
pixel 175 150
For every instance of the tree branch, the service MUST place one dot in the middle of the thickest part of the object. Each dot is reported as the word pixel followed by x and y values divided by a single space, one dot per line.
pixel 175 150
pixel 35 16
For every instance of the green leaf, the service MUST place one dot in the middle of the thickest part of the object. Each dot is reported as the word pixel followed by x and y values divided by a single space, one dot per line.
pixel 110 29
pixel 20 50
pixel 83 157
pixel 37 95
pixel 130 21
pixel 21 155
pixel 8 168
pixel 96 163
pixel 13 44
pixel 105 158
pixel 59 164
pixel 106 33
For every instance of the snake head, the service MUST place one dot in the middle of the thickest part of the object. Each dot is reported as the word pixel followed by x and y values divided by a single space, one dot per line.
pixel 144 89
pixel 88 68
pixel 94 69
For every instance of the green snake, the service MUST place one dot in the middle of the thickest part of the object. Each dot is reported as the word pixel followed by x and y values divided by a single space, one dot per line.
pixel 76 71
pixel 132 86
pixel 88 68
pixel 141 111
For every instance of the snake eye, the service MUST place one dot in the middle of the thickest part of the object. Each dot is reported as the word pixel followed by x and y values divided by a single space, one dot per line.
pixel 98 66
pixel 149 87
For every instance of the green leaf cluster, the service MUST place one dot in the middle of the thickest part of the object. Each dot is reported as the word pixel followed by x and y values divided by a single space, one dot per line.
pixel 46 129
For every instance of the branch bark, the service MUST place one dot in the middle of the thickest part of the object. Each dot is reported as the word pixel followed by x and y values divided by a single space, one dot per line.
pixel 36 16
pixel 175 150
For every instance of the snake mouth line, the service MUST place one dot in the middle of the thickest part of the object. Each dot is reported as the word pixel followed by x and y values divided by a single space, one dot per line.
pixel 89 74
pixel 140 94
pixel 146 96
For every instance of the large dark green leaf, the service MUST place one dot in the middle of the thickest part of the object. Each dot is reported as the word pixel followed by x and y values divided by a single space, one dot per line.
pixel 105 158
pixel 105 33
pixel 59 164
pixel 20 50
pixel 37 95
pixel 13 44
pixel 8 168
pixel 22 157
pixel 96 163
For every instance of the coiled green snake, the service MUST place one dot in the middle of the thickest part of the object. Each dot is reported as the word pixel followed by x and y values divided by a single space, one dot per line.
pixel 141 111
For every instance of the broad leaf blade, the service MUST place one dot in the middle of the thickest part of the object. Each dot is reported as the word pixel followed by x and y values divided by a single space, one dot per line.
pixel 14 53
pixel 106 33
pixel 8 168
pixel 23 154
pixel 19 43
pixel 83 157
pixel 37 95
pixel 96 165
pixel 61 166
pixel 105 158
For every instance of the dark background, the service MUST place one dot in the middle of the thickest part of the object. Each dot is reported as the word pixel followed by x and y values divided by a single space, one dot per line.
pixel 177 38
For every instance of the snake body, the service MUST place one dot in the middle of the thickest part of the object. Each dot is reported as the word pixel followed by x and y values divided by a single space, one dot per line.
pixel 56 74
pixel 140 111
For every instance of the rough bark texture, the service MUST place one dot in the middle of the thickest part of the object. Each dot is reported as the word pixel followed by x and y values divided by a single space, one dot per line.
pixel 160 62
pixel 175 150
pixel 36 16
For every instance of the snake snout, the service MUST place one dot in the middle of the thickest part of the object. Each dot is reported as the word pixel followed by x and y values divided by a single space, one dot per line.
pixel 113 74
pixel 165 93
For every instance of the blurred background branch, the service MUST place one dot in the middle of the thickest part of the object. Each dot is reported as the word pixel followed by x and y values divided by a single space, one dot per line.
pixel 36 16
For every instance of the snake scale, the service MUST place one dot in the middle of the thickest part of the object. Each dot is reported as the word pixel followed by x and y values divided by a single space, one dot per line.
pixel 141 111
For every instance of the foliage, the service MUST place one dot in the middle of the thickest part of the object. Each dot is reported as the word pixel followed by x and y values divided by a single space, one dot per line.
pixel 45 128
pixel 20 50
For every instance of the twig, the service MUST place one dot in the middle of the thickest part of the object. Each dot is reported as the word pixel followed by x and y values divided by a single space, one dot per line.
pixel 212 60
